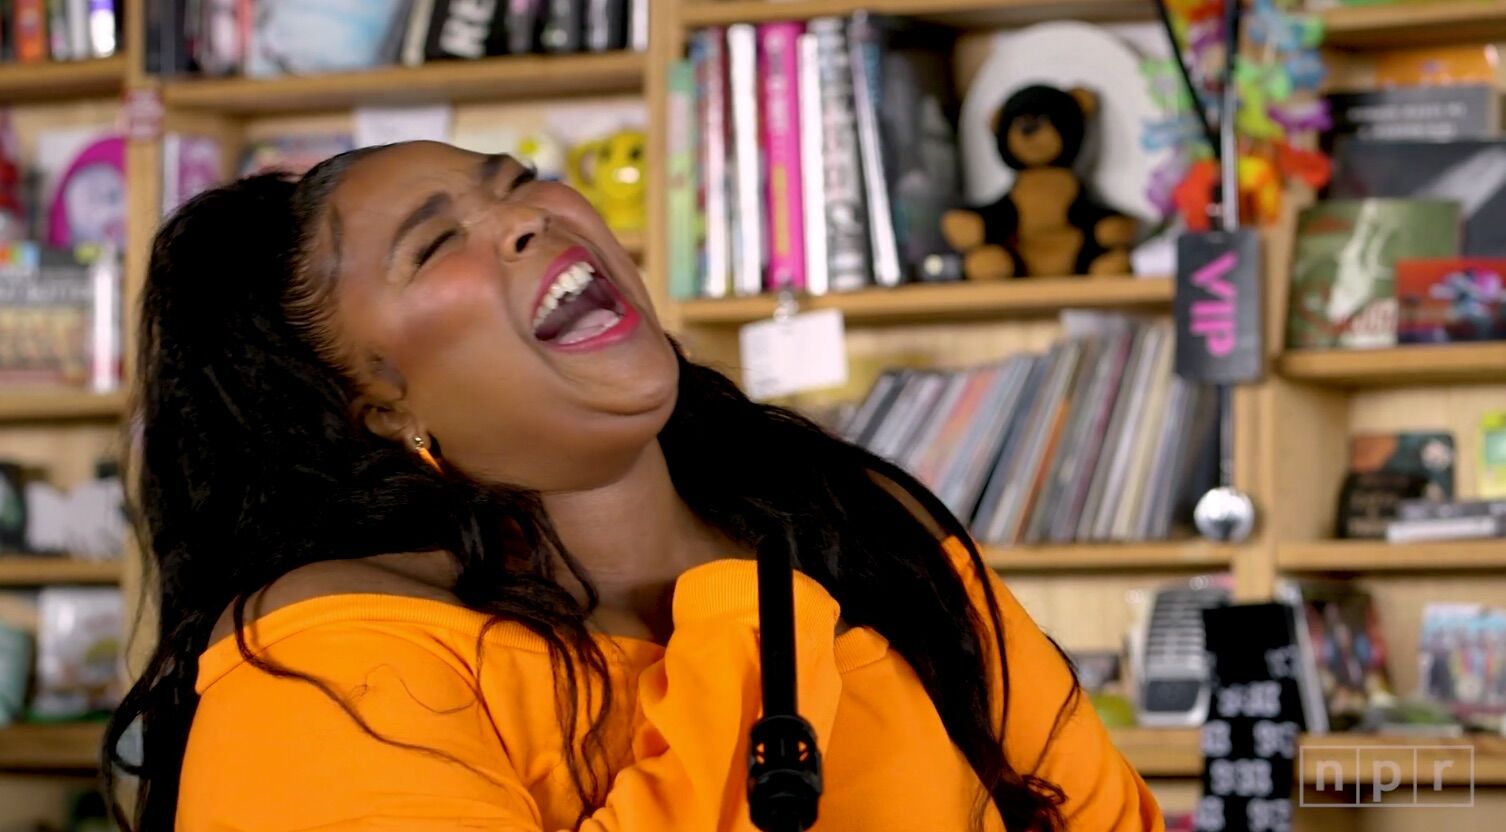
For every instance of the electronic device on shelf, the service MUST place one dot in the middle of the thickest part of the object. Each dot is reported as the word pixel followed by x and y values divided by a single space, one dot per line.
pixel 1173 673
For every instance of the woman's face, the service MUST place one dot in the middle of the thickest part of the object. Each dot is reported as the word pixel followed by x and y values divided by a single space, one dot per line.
pixel 494 313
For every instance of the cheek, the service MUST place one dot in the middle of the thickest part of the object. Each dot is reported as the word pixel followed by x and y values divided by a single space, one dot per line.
pixel 456 300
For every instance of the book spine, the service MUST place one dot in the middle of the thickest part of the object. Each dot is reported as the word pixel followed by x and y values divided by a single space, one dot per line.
pixel 562 26
pixel 846 217
pixel 812 163
pixel 78 29
pixel 606 25
pixel 522 22
pixel 59 39
pixel 31 29
pixel 638 26
pixel 461 31
pixel 742 70
pixel 867 58
pixel 711 104
pixel 1450 528
pixel 104 342
pixel 779 71
pixel 1435 510
pixel 683 242
pixel 417 34
pixel 101 28
pixel 172 146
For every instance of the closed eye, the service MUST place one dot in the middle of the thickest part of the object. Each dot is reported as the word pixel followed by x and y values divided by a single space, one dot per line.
pixel 427 252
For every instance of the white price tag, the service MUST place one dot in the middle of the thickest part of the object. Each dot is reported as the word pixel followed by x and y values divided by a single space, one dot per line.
pixel 805 351
pixel 385 125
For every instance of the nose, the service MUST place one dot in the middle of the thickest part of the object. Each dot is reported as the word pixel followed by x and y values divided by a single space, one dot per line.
pixel 520 227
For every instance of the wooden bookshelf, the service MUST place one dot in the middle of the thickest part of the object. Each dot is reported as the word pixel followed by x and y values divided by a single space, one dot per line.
pixel 1475 363
pixel 943 302
pixel 58 80
pixel 38 570
pixel 38 404
pixel 1414 24
pixel 1175 752
pixel 969 13
pixel 1161 752
pixel 634 243
pixel 1171 554
pixel 63 747
pixel 1380 556
pixel 492 79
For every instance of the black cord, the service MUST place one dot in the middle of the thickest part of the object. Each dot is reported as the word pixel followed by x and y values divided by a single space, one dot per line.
pixel 1209 135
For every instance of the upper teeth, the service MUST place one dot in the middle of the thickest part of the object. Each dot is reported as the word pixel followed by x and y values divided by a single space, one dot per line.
pixel 571 281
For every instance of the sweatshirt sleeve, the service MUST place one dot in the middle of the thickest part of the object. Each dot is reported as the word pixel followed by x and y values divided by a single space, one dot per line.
pixel 1103 791
pixel 275 754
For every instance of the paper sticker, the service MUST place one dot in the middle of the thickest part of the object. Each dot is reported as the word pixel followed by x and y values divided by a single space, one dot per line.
pixel 802 352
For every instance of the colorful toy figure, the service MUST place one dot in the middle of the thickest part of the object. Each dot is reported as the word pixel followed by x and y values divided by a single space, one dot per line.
pixel 609 171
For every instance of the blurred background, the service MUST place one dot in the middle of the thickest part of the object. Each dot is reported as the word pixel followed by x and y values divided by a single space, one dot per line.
pixel 985 240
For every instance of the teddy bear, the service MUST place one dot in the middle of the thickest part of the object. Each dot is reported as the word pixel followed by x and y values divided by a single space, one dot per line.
pixel 1047 224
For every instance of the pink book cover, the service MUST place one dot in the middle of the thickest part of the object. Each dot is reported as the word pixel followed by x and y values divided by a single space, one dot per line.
pixel 778 43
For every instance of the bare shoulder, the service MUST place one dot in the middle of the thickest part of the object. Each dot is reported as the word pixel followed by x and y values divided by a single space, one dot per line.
pixel 427 575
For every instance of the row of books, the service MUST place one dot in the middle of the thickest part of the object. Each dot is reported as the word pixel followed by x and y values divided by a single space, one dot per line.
pixel 295 37
pixel 59 318
pixel 1095 440
pixel 32 31
pixel 810 157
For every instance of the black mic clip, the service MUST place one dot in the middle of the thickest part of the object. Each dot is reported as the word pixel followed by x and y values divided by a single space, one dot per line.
pixel 784 773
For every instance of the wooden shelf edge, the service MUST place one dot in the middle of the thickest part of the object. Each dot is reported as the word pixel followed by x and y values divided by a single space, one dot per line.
pixel 59 80
pixel 1170 554
pixel 1473 363
pixel 502 78
pixel 962 12
pixel 940 302
pixel 41 405
pixel 1380 556
pixel 1176 752
pixel 1413 24
pixel 62 747
pixel 39 570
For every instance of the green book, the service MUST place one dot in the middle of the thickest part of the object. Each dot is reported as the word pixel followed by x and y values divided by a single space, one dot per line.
pixel 684 225
pixel 1343 292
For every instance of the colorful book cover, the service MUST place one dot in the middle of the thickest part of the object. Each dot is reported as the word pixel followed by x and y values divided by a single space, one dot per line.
pixel 46 316
pixel 708 51
pixel 1456 299
pixel 1428 454
pixel 30 30
pixel 1343 290
pixel 190 166
pixel 683 221
pixel 1349 650
pixel 1493 455
pixel 1462 661
pixel 779 72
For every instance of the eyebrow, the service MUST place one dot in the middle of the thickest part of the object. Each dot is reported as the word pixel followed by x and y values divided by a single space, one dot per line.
pixel 431 207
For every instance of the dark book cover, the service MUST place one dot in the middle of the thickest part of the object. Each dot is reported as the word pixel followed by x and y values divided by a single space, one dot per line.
pixel 564 25
pixel 917 119
pixel 522 21
pixel 1471 174
pixel 1436 113
pixel 465 30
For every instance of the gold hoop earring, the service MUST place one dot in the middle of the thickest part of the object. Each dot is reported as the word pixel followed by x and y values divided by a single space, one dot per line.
pixel 422 447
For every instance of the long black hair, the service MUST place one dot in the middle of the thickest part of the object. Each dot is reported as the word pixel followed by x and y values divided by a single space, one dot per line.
pixel 249 464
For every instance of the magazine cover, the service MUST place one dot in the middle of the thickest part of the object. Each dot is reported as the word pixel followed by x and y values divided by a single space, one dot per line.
pixel 1348 649
pixel 1429 454
pixel 1462 655
pixel 1443 301
pixel 1344 267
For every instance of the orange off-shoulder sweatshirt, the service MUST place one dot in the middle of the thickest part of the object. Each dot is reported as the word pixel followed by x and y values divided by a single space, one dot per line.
pixel 475 743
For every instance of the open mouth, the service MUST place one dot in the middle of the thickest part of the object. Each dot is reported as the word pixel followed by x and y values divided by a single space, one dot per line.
pixel 578 306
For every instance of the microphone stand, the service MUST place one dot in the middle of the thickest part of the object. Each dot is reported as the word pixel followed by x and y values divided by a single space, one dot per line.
pixel 784 764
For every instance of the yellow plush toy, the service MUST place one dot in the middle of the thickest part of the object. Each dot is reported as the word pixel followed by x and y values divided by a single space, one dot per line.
pixel 609 171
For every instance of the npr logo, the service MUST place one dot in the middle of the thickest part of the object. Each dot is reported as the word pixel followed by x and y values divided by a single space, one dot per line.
pixel 1387 775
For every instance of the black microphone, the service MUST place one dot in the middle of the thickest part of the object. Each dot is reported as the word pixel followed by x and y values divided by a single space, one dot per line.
pixel 784 764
